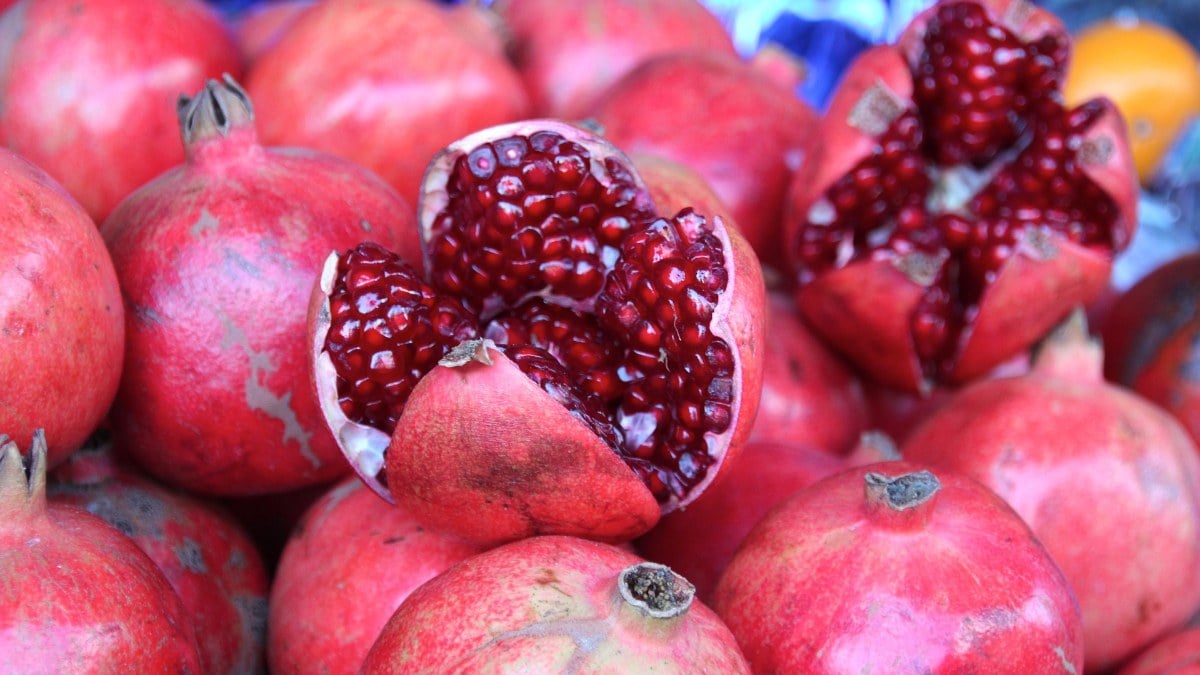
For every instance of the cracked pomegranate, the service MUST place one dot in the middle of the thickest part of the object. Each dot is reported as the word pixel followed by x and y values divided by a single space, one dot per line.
pixel 555 605
pixel 216 259
pixel 956 210
pixel 571 363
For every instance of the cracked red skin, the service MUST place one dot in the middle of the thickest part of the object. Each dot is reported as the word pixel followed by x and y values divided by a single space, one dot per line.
pixel 215 398
pixel 72 67
pixel 1109 483
pixel 350 563
pixel 56 279
pixel 546 605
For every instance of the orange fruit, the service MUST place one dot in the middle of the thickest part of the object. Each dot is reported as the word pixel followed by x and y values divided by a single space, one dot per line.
pixel 1151 74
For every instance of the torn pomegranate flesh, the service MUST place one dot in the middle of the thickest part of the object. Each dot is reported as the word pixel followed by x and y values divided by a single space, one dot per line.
pixel 607 307
pixel 987 153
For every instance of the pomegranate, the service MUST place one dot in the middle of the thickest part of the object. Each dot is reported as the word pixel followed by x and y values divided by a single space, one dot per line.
pixel 1175 654
pixel 809 395
pixel 569 53
pixel 752 134
pixel 216 260
pixel 351 561
pixel 259 27
pixel 269 519
pixel 555 604
pixel 386 84
pixel 675 186
pixel 61 319
pixel 1109 482
pixel 85 82
pixel 208 560
pixel 956 210
pixel 1152 339
pixel 699 542
pixel 891 568
pixel 79 596
pixel 571 363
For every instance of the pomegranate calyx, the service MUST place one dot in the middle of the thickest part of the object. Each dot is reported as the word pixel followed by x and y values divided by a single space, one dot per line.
pixel 655 590
pixel 469 351
pixel 901 502
pixel 18 490
pixel 219 108
pixel 1070 351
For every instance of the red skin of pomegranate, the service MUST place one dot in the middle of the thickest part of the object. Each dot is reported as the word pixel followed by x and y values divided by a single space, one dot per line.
pixel 1176 654
pixel 84 82
pixel 751 134
pixel 835 580
pixel 864 308
pixel 385 84
pixel 1152 340
pixel 215 396
pixel 675 186
pixel 269 519
pixel 61 318
pixel 1109 482
pixel 88 599
pixel 259 27
pixel 350 563
pixel 569 53
pixel 547 604
pixel 208 560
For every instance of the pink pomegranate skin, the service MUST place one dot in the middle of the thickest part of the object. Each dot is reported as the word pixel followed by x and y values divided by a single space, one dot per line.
pixel 206 557
pixel 550 604
pixel 86 82
pixel 848 577
pixel 216 260
pixel 752 134
pixel 350 562
pixel 88 599
pixel 1109 482
pixel 1175 654
pixel 61 318
pixel 385 84
pixel 259 27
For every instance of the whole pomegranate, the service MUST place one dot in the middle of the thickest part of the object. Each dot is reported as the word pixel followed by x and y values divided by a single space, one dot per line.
pixel 890 568
pixel 569 53
pixel 956 210
pixel 752 134
pixel 555 604
pixel 210 563
pixel 698 542
pixel 1175 654
pixel 1152 339
pixel 351 561
pixel 675 186
pixel 259 27
pixel 383 83
pixel 79 596
pixel 1109 482
pixel 87 87
pixel 62 326
pixel 570 362
pixel 216 259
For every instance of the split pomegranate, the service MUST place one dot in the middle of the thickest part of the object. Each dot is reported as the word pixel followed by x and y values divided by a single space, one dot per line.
pixel 1109 482
pixel 569 53
pixel 62 326
pixel 209 562
pixel 87 87
pixel 890 568
pixel 351 561
pixel 750 137
pixel 1176 654
pixel 571 363
pixel 550 605
pixel 385 84
pixel 216 260
pixel 79 595
pixel 956 210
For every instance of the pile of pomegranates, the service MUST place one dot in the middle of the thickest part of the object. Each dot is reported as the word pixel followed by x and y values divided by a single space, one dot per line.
pixel 562 337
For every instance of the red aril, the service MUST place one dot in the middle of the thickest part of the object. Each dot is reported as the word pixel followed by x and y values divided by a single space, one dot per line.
pixel 385 84
pixel 351 561
pixel 87 87
pixel 570 362
pixel 955 210
pixel 1109 482
pixel 216 259
pixel 79 596
pixel 890 568
pixel 551 605
pixel 62 326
